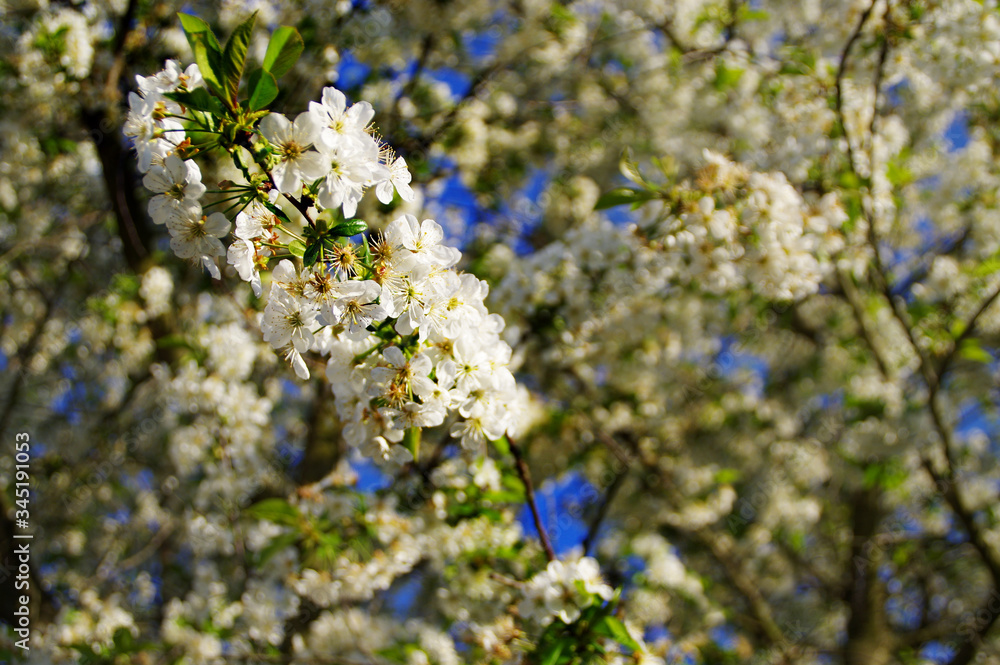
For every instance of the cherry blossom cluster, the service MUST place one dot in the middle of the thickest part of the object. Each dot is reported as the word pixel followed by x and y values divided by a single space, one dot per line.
pixel 409 340
pixel 438 348
pixel 331 143
pixel 155 125
pixel 563 589
pixel 750 229
pixel 330 147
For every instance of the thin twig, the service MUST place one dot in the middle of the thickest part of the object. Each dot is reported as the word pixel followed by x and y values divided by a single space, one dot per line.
pixel 602 511
pixel 851 295
pixel 529 491
pixel 967 331
pixel 718 545
pixel 426 48
pixel 946 247
pixel 883 56
pixel 841 71
pixel 154 543
pixel 26 352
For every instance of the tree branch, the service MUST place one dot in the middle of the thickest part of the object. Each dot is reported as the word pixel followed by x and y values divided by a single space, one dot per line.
pixel 842 70
pixel 868 635
pixel 602 511
pixel 852 297
pixel 529 491
pixel 967 331
pixel 720 547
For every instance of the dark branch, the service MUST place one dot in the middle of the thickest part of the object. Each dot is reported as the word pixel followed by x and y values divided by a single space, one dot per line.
pixel 842 70
pixel 529 491
pixel 602 511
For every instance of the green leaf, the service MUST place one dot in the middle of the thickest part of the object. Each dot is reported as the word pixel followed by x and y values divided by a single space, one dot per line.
pixel 726 78
pixel 207 52
pixel 312 254
pixel 897 174
pixel 280 214
pixel 746 13
pixel 283 51
pixel 616 630
pixel 971 350
pixel 351 227
pixel 209 61
pixel 276 545
pixel 193 25
pixel 873 473
pixel 502 445
pixel 551 656
pixel 507 496
pixel 87 652
pixel 327 220
pixel 234 56
pixel 124 642
pixel 173 342
pixel 902 553
pixel 297 248
pixel 630 168
pixel 989 266
pixel 263 89
pixel 849 180
pixel 199 99
pixel 275 510
pixel 727 476
pixel 623 196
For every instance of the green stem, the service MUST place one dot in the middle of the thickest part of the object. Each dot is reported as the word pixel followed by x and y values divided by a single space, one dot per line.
pixel 361 356
pixel 529 491
pixel 282 228
pixel 215 203
pixel 411 439
pixel 238 161
pixel 233 207
pixel 299 204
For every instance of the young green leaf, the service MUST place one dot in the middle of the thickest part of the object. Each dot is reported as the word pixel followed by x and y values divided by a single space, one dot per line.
pixel 970 349
pixel 726 78
pixel 312 254
pixel 328 219
pixel 279 213
pixel 193 25
pixel 276 545
pixel 283 51
pixel 297 248
pixel 275 510
pixel 263 90
pixel 235 56
pixel 206 49
pixel 623 196
pixel 630 168
pixel 209 61
pixel 199 99
pixel 615 629
pixel 552 653
pixel 351 227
